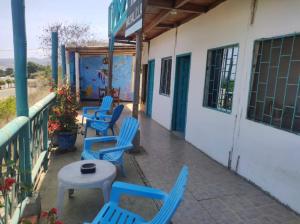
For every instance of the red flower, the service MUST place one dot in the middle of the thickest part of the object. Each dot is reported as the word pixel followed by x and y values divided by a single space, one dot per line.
pixel 53 210
pixel 58 222
pixel 8 182
pixel 44 214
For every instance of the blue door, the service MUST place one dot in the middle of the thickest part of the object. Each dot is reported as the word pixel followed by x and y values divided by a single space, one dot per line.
pixel 182 78
pixel 150 84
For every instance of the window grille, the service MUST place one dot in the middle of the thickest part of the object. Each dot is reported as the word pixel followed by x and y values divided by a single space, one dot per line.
pixel 220 77
pixel 274 97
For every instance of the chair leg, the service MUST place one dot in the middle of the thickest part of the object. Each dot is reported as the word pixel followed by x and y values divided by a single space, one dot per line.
pixel 85 130
pixel 122 170
pixel 112 130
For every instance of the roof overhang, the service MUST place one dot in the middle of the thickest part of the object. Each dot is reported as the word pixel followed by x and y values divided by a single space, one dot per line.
pixel 160 16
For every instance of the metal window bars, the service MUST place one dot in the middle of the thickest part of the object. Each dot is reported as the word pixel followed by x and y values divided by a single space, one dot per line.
pixel 274 92
pixel 220 77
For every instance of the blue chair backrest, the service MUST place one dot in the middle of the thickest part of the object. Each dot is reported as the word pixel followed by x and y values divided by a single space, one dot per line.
pixel 128 130
pixel 106 103
pixel 173 200
pixel 116 114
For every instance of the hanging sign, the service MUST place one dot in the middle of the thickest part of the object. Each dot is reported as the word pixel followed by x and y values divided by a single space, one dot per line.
pixel 134 21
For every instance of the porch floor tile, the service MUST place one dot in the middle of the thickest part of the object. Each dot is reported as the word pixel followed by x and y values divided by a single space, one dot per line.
pixel 214 194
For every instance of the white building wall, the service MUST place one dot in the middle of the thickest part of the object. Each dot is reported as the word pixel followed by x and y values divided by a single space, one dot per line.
pixel 162 105
pixel 269 157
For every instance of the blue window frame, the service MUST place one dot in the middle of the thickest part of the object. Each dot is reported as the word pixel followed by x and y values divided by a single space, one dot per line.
pixel 220 77
pixel 274 97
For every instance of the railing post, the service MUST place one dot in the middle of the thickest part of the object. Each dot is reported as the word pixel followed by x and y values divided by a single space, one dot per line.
pixel 63 63
pixel 54 58
pixel 20 57
pixel 45 136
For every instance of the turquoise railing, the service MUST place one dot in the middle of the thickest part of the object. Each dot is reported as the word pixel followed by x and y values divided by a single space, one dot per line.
pixel 117 14
pixel 21 162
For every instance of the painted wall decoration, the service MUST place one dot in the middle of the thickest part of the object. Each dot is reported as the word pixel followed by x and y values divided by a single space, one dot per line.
pixel 123 76
pixel 93 76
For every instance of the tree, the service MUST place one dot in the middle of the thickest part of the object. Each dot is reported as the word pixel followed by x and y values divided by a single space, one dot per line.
pixel 2 73
pixel 2 83
pixel 9 71
pixel 8 82
pixel 69 34
pixel 33 68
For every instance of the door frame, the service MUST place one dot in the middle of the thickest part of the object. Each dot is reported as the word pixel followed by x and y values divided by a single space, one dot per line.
pixel 175 87
pixel 147 87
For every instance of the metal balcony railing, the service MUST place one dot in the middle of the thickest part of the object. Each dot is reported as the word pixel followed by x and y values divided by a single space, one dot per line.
pixel 20 162
pixel 117 13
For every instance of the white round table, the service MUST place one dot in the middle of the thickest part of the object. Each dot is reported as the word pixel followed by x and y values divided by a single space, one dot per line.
pixel 70 177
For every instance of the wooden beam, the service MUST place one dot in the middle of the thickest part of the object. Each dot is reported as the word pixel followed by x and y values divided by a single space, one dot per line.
pixel 179 3
pixel 188 7
pixel 165 26
pixel 160 17
pixel 193 8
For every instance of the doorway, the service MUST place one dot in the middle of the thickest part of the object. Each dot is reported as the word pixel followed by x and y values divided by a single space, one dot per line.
pixel 182 77
pixel 150 85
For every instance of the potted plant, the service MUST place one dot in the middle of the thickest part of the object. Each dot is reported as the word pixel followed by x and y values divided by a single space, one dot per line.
pixel 62 123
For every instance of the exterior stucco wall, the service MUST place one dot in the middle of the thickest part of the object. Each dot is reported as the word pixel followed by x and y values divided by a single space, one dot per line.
pixel 267 156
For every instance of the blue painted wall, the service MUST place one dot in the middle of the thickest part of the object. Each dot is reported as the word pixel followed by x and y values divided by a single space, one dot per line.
pixel 93 75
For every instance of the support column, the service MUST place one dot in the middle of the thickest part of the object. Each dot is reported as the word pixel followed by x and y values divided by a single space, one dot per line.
pixel 63 63
pixel 20 57
pixel 54 39
pixel 136 94
pixel 137 75
pixel 110 63
pixel 77 75
pixel 68 68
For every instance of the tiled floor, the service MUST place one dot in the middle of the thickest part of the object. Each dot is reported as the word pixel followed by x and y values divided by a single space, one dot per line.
pixel 214 194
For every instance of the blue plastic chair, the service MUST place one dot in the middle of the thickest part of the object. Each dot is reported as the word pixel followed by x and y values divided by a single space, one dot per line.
pixel 105 122
pixel 112 213
pixel 103 109
pixel 114 154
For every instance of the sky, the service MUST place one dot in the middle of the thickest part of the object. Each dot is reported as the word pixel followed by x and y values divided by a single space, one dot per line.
pixel 40 13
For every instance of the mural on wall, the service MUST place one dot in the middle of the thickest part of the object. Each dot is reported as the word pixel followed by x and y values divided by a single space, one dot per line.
pixel 122 76
pixel 93 76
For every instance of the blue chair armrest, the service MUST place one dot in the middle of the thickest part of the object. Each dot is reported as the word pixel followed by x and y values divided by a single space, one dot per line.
pixel 86 109
pixel 114 149
pixel 88 142
pixel 104 116
pixel 121 188
pixel 100 112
